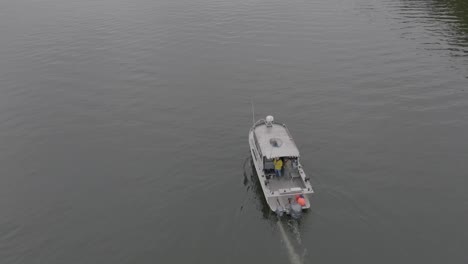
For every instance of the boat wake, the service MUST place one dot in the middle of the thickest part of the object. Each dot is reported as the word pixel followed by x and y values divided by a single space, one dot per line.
pixel 294 258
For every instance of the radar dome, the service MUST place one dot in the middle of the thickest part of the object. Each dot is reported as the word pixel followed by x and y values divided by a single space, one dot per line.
pixel 269 119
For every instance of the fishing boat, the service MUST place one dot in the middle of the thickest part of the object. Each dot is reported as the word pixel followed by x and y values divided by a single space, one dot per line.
pixel 288 189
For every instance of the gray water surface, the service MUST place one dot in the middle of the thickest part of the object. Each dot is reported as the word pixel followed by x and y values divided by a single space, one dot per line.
pixel 123 129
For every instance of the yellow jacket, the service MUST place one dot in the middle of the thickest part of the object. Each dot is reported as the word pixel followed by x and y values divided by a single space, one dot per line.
pixel 278 164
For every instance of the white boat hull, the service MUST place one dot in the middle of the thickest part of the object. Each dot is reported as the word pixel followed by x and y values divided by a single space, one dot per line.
pixel 277 198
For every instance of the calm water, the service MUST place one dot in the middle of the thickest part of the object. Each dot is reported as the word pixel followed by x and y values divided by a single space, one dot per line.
pixel 123 130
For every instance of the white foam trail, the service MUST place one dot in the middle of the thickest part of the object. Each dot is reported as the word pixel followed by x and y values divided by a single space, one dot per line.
pixel 295 230
pixel 293 256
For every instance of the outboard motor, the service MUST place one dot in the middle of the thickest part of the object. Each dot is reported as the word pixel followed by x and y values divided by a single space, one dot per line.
pixel 279 211
pixel 296 211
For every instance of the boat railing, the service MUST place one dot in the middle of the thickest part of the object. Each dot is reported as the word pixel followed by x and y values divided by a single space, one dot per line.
pixel 259 122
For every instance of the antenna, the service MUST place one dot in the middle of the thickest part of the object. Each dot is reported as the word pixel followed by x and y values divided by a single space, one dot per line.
pixel 253 112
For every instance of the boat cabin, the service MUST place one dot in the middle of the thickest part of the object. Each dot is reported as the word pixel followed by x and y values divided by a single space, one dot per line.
pixel 273 140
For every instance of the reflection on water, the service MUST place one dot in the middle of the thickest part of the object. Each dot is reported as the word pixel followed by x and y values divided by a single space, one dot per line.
pixel 439 24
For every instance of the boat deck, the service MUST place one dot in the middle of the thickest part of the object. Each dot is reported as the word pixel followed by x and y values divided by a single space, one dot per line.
pixel 285 182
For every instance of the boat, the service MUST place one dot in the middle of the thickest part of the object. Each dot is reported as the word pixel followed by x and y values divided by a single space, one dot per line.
pixel 270 141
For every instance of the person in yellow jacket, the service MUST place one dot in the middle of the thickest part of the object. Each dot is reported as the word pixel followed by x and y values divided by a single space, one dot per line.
pixel 278 166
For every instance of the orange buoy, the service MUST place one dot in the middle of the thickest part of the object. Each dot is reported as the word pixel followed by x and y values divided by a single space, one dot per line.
pixel 301 201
